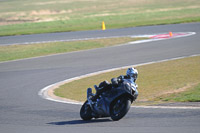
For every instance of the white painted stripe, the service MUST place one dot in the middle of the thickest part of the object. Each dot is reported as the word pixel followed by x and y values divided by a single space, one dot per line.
pixel 44 92
pixel 183 34
pixel 166 107
pixel 69 40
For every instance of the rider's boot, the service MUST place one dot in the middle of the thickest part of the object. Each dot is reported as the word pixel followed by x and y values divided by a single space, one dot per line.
pixel 92 96
pixel 98 92
pixel 89 93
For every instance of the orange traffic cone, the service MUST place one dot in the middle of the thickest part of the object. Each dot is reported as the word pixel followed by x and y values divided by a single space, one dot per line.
pixel 170 34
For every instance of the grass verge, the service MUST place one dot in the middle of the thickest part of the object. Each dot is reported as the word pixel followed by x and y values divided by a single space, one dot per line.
pixel 191 95
pixel 13 52
pixel 155 81
pixel 43 16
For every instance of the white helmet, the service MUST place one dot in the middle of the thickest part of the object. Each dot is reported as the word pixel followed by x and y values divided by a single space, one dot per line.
pixel 132 72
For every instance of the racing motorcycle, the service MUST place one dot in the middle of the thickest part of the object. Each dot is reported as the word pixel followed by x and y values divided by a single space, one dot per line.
pixel 114 103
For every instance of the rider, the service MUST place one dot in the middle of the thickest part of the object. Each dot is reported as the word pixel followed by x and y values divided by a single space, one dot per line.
pixel 130 77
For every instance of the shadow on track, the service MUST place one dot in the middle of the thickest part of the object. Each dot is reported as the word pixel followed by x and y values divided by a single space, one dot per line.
pixel 77 122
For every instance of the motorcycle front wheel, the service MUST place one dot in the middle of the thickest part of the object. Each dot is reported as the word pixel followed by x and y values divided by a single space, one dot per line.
pixel 119 108
pixel 86 112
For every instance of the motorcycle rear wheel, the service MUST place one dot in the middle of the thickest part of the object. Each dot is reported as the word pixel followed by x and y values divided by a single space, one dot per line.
pixel 86 112
pixel 119 108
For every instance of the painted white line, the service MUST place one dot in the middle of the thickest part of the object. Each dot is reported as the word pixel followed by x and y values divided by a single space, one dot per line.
pixel 44 92
pixel 177 35
pixel 67 40
pixel 165 107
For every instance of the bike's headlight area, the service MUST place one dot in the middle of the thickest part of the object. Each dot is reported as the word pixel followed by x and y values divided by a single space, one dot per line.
pixel 133 87
pixel 130 87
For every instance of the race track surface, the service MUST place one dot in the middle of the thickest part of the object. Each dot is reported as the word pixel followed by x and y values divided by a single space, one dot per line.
pixel 22 110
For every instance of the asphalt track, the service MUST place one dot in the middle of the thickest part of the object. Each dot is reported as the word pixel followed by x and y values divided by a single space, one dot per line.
pixel 22 110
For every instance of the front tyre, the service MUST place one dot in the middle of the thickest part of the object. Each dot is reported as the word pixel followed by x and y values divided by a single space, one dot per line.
pixel 119 108
pixel 86 112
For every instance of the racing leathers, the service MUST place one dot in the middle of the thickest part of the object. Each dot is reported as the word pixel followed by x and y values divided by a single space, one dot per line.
pixel 115 82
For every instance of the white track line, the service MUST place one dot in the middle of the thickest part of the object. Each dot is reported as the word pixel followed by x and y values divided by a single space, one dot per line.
pixel 166 107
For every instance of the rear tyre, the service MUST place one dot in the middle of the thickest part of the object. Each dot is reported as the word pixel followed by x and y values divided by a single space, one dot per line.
pixel 86 112
pixel 119 108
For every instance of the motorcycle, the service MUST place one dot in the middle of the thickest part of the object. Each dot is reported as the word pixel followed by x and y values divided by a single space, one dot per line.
pixel 114 103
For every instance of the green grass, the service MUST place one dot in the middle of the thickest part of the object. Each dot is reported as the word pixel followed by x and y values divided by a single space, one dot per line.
pixel 42 16
pixel 191 95
pixel 13 52
pixel 154 80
